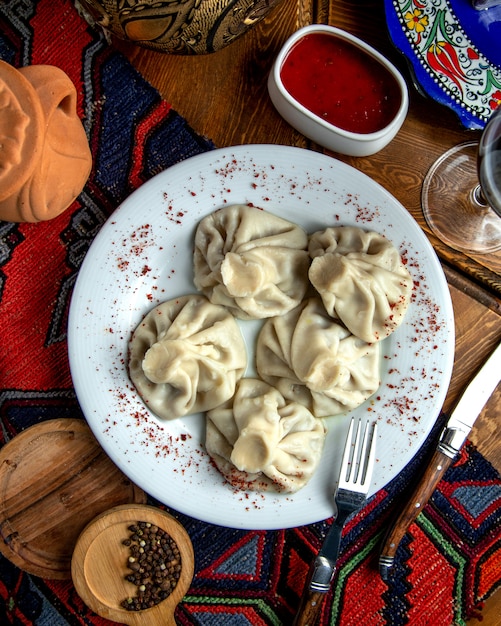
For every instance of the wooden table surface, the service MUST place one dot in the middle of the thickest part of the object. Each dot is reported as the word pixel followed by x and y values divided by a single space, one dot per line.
pixel 224 97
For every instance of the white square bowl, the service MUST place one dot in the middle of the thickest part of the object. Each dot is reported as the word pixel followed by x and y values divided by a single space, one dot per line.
pixel 323 131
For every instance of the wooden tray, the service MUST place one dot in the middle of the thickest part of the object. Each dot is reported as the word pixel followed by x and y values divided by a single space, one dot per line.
pixel 54 479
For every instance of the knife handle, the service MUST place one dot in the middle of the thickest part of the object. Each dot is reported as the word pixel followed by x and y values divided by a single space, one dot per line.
pixel 309 608
pixel 432 476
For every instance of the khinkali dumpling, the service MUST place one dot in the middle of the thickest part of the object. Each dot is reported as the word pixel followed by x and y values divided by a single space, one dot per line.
pixel 186 356
pixel 250 261
pixel 258 440
pixel 361 279
pixel 313 359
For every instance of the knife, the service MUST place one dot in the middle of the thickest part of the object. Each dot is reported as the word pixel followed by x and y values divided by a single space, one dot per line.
pixel 452 438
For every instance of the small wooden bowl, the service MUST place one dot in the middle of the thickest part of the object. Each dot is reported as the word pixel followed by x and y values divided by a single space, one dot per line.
pixel 99 565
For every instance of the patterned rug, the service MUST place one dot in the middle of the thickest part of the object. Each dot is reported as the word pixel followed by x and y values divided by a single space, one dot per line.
pixel 449 562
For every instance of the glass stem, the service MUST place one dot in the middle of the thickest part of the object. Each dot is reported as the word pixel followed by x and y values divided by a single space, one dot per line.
pixel 478 196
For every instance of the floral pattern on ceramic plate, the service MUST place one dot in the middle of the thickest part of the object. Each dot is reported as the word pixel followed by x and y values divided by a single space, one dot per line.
pixel 447 64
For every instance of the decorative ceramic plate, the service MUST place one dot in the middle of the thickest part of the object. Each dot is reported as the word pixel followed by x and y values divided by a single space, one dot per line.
pixel 454 52
pixel 143 255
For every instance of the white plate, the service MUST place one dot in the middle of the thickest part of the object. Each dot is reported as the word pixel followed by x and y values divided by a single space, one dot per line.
pixel 143 255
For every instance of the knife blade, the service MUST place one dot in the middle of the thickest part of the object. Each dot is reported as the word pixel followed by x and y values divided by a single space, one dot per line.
pixel 452 437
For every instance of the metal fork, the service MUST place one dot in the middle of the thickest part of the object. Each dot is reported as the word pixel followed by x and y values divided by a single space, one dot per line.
pixel 353 485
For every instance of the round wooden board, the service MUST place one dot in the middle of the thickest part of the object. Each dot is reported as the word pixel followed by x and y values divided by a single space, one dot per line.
pixel 54 479
pixel 99 565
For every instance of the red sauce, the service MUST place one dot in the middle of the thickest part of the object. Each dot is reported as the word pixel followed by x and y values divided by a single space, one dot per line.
pixel 340 83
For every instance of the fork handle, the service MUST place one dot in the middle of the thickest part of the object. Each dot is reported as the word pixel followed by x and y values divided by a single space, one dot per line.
pixel 316 588
pixel 321 574
pixel 309 608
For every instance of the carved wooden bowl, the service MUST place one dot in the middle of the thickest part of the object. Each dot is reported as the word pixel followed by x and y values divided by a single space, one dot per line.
pixel 177 26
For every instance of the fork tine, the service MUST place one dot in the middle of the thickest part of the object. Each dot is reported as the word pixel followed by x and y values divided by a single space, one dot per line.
pixel 369 458
pixel 358 459
pixel 348 455
pixel 362 464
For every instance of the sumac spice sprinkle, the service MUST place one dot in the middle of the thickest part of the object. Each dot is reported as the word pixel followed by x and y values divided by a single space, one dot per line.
pixel 154 563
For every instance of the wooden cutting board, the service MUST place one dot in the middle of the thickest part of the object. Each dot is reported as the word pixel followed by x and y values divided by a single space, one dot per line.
pixel 54 479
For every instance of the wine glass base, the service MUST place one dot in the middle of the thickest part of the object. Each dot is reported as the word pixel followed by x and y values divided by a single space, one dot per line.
pixel 452 206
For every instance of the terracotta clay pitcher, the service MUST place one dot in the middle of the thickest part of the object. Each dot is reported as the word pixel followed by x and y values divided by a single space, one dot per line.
pixel 45 159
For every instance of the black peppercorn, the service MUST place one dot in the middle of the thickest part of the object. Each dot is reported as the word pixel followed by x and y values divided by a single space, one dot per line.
pixel 155 562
